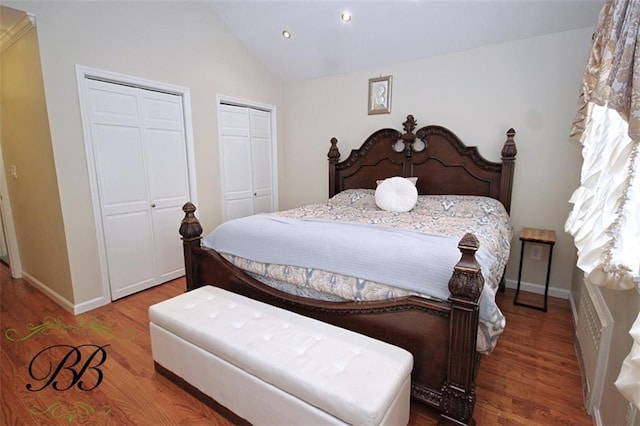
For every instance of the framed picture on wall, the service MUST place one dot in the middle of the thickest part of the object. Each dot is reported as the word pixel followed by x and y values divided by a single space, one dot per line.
pixel 380 95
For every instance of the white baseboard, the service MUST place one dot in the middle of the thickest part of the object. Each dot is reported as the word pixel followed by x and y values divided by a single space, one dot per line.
pixel 539 289
pixel 90 305
pixel 62 301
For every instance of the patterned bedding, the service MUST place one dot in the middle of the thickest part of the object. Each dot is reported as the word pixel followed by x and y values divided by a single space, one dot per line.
pixel 449 215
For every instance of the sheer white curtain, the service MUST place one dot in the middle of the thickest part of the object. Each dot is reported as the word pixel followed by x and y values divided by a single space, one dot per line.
pixel 605 220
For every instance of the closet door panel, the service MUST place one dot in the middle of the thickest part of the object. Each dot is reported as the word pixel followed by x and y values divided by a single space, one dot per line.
pixel 169 254
pixel 236 164
pixel 139 150
pixel 167 171
pixel 131 256
pixel 121 178
pixel 120 171
pixel 247 160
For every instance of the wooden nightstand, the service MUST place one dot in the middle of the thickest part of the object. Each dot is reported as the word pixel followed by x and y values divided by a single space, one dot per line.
pixel 537 236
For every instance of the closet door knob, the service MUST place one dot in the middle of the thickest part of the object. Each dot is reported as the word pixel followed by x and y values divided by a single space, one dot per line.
pixel 153 205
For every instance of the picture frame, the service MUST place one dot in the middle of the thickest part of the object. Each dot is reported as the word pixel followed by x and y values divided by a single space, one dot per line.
pixel 380 95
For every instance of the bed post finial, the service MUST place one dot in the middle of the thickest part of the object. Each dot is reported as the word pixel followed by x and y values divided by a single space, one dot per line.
pixel 467 280
pixel 334 153
pixel 509 152
pixel 190 228
pixel 191 232
pixel 334 156
pixel 509 149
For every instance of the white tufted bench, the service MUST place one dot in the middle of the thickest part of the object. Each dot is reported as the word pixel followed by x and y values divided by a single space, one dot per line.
pixel 271 366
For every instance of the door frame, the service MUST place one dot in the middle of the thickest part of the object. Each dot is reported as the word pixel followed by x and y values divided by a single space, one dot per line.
pixel 15 265
pixel 84 73
pixel 271 109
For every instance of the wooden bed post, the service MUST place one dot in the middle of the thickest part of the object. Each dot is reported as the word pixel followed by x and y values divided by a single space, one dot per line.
pixel 191 232
pixel 465 286
pixel 334 156
pixel 509 152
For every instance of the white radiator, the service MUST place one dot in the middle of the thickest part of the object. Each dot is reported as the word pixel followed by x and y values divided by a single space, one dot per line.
pixel 593 334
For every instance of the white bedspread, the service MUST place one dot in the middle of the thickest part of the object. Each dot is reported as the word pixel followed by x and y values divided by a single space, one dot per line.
pixel 411 260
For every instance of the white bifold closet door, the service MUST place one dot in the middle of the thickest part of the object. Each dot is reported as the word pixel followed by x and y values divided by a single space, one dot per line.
pixel 139 149
pixel 247 161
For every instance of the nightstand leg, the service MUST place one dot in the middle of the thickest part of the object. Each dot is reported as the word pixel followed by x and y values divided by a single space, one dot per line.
pixel 515 298
pixel 546 285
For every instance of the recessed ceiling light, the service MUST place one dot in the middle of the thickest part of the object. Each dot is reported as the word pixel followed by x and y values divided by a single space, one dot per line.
pixel 346 16
pixel 286 34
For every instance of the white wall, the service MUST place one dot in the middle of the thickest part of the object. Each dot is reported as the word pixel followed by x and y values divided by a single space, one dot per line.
pixel 180 43
pixel 531 85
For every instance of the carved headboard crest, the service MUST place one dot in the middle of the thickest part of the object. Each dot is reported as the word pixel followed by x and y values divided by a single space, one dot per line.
pixel 407 141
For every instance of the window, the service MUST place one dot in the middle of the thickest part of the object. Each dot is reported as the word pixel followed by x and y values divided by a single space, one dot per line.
pixel 605 220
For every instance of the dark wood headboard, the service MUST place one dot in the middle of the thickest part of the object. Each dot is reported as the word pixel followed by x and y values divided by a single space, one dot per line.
pixel 442 163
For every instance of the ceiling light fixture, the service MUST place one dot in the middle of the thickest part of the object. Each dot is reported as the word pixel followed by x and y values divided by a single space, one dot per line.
pixel 346 17
pixel 286 34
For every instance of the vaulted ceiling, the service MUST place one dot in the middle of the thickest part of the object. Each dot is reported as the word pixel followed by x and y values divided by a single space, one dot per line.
pixel 387 31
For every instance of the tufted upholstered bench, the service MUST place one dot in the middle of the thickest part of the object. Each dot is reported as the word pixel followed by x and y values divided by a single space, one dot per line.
pixel 271 366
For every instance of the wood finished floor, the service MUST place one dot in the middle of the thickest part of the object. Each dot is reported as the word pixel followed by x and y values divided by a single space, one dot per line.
pixel 531 378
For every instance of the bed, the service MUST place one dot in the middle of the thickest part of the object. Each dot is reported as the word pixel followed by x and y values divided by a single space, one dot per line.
pixel 443 332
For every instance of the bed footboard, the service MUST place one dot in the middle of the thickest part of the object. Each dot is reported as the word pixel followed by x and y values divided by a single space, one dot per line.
pixel 441 335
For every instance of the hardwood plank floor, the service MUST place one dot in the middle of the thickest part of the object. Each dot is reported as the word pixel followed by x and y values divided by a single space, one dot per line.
pixel 531 378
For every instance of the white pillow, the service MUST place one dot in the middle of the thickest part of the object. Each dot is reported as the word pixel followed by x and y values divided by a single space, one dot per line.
pixel 396 194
